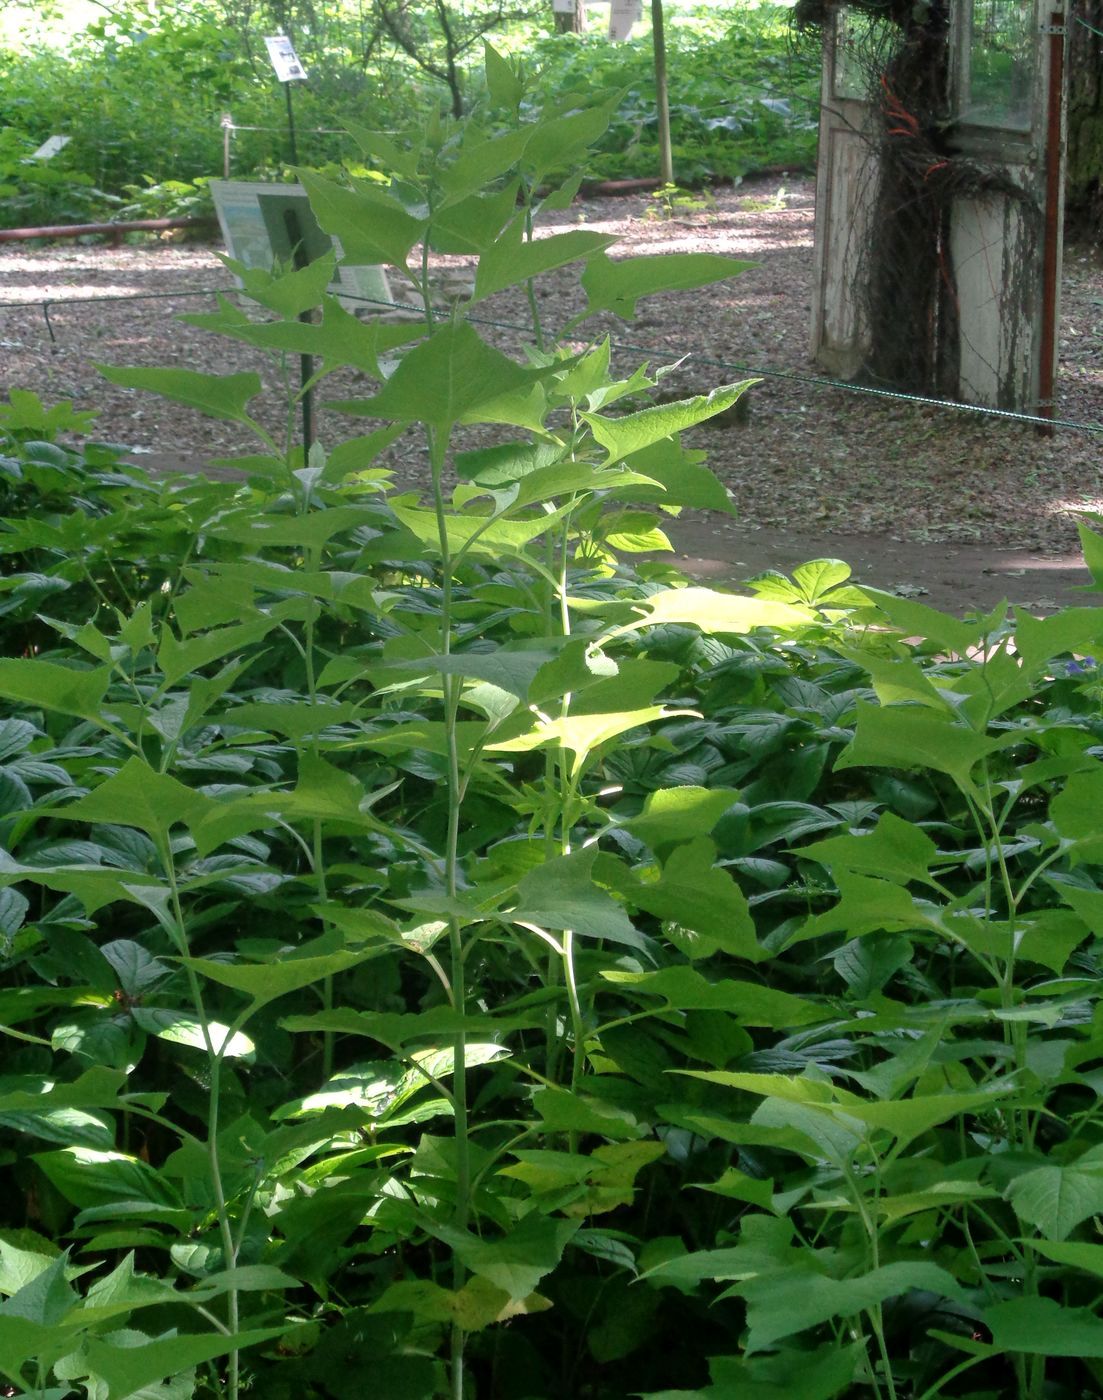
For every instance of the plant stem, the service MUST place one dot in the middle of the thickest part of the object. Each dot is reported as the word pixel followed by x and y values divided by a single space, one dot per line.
pixel 438 447
pixel 214 1062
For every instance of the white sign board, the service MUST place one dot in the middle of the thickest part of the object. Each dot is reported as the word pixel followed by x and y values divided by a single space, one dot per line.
pixel 284 59
pixel 564 7
pixel 623 14
pixel 50 147
pixel 248 231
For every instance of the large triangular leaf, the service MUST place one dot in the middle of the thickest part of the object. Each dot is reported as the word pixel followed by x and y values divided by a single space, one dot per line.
pixel 372 225
pixel 512 259
pixel 620 437
pixel 561 894
pixel 1056 1198
pixel 217 395
pixel 794 1300
pixel 447 377
pixel 51 687
pixel 617 284
pixel 138 796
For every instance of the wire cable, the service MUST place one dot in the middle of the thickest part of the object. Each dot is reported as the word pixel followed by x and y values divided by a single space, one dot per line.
pixel 814 381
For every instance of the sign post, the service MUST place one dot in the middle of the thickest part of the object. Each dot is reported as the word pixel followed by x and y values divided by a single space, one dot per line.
pixel 285 61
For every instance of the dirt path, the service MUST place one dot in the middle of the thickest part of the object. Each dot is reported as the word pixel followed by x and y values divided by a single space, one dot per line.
pixel 919 495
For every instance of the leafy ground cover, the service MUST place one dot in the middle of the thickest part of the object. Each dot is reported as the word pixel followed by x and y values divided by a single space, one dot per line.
pixel 438 953
pixel 142 94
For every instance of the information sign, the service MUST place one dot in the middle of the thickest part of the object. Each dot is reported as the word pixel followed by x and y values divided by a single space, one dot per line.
pixel 255 223
pixel 623 15
pixel 284 59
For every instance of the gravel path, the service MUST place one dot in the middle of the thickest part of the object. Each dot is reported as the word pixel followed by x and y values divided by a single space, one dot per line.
pixel 810 458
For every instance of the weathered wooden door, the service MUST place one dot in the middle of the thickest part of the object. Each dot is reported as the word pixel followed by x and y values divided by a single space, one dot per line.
pixel 951 164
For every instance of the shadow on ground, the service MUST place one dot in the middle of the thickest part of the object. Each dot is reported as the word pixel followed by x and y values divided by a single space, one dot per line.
pixel 952 577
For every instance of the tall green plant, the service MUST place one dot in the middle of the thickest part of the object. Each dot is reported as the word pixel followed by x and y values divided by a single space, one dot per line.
pixel 416 921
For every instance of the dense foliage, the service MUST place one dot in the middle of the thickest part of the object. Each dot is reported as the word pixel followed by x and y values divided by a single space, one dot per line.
pixel 142 94
pixel 441 959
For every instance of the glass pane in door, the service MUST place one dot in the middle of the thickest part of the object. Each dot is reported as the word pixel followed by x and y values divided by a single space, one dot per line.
pixel 1001 64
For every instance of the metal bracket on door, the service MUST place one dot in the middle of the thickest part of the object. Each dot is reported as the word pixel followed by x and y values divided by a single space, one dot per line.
pixel 1052 29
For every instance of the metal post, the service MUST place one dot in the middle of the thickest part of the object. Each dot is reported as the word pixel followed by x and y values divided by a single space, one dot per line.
pixel 306 361
pixel 291 125
pixel 227 129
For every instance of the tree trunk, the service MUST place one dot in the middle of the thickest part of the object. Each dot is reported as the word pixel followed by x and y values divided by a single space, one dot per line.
pixel 1084 177
pixel 572 22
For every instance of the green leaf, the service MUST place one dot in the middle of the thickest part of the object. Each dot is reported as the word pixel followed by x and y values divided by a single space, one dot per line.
pixel 449 376
pixel 45 685
pixel 183 1028
pixel 1039 639
pixel 620 437
pixel 1056 1198
pixel 917 620
pixel 683 478
pixel 23 1256
pixel 1082 1257
pixel 178 659
pixel 510 670
pixel 752 1005
pixel 512 259
pixel 138 796
pixel 894 850
pixel 471 225
pixel 696 894
pixel 617 285
pixel 217 395
pixel 126 1367
pixel 781 1304
pixel 340 338
pixel 290 293
pixel 1092 545
pixel 557 143
pixel 372 225
pixel 903 736
pixel 516 1262
pixel 738 1186
pixel 476 533
pixel 866 964
pixel 900 678
pixel 680 814
pixel 564 1111
pixel 870 906
pixel 714 612
pixel 45 1297
pixel 477 1304
pixel 561 894
pixel 787 1374
pixel 1075 814
pixel 1042 1327
pixel 96 1088
pixel 581 734
pixel 482 159
pixel 904 1119
pixel 766 1246
pixel 265 982
pixel 503 81
pixel 88 1177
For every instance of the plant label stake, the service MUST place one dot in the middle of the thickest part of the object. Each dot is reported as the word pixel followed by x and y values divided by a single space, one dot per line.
pixel 285 61
pixel 50 147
